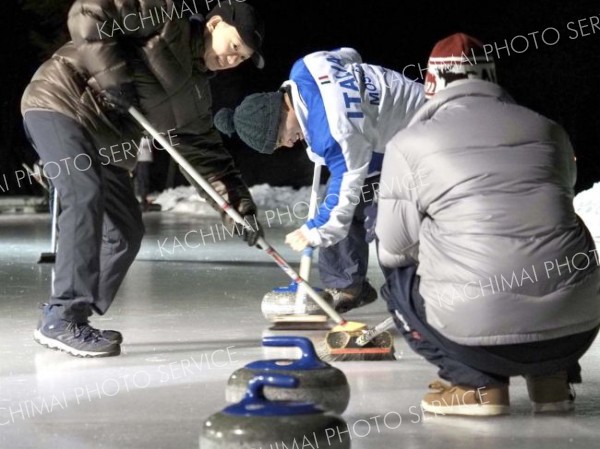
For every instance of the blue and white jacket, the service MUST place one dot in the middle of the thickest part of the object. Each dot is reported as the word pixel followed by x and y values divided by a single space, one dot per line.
pixel 348 111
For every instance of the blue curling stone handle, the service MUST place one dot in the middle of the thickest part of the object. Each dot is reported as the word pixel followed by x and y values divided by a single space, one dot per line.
pixel 309 360
pixel 292 288
pixel 256 404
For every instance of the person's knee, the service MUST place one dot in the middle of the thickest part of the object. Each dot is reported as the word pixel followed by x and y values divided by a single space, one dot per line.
pixel 129 244
pixel 138 237
pixel 80 189
pixel 125 237
pixel 135 235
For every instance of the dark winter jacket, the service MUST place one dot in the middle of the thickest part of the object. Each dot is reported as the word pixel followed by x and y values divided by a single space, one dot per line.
pixel 502 255
pixel 154 45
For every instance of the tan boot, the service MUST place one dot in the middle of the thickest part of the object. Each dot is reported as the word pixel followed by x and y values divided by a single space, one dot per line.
pixel 468 401
pixel 550 394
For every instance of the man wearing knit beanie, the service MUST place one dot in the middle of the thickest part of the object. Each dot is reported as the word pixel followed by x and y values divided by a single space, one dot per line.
pixel 345 111
pixel 471 256
pixel 456 58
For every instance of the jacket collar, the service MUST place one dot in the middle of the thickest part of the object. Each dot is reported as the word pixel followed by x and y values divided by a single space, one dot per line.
pixel 197 24
pixel 460 89
pixel 299 106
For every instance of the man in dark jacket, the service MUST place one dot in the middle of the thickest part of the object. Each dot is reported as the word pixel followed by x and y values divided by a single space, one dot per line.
pixel 490 272
pixel 157 55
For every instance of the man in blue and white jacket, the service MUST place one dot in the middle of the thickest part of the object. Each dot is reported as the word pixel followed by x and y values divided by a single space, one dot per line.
pixel 345 111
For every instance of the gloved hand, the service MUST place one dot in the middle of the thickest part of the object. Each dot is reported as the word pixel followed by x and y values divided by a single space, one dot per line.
pixel 370 221
pixel 247 210
pixel 120 99
pixel 233 189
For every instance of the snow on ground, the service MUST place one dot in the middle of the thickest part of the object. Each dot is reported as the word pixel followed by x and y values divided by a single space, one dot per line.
pixel 275 202
pixel 279 205
pixel 183 200
pixel 587 206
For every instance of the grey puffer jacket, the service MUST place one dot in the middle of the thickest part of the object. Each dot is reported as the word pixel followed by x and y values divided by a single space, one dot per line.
pixel 488 216
pixel 154 45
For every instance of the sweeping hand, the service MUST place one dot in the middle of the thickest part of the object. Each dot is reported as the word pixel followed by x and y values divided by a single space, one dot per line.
pixel 120 98
pixel 297 240
pixel 251 236
pixel 251 233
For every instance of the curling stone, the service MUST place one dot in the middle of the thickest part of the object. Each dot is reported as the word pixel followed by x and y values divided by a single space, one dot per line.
pixel 319 382
pixel 257 422
pixel 281 302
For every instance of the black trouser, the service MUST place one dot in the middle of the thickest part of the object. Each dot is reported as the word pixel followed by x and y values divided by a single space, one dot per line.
pixel 100 222
pixel 345 264
pixel 476 366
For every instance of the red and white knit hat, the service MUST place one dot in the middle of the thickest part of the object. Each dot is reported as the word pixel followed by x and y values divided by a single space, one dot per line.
pixel 454 58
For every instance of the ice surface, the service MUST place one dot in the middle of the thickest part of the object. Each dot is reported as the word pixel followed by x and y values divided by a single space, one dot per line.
pixel 192 317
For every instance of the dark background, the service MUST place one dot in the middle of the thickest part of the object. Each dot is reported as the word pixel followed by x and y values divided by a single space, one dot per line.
pixel 559 81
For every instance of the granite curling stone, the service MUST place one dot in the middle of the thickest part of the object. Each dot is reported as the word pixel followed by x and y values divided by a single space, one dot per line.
pixel 319 382
pixel 281 302
pixel 259 423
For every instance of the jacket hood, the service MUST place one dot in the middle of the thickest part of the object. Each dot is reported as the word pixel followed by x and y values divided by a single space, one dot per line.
pixel 460 89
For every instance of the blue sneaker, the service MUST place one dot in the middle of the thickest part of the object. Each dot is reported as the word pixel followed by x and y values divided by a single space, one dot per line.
pixel 77 339
pixel 114 336
pixel 110 335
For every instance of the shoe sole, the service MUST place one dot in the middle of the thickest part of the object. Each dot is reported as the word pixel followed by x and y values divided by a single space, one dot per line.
pixel 553 407
pixel 59 346
pixel 466 410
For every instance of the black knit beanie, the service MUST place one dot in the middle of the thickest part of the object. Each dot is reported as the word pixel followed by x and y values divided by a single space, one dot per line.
pixel 256 120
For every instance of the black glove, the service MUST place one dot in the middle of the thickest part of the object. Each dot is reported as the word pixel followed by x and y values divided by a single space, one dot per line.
pixel 252 237
pixel 247 210
pixel 236 193
pixel 120 99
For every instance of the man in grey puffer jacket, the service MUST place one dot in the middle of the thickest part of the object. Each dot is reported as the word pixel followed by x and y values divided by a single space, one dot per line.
pixel 159 56
pixel 489 271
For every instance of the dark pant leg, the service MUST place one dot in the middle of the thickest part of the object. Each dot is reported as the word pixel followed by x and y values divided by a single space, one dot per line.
pixel 545 357
pixel 123 230
pixel 63 145
pixel 537 358
pixel 345 264
pixel 398 292
pixel 476 365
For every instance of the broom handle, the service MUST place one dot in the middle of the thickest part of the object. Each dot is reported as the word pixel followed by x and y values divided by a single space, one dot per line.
pixel 369 335
pixel 234 214
pixel 307 254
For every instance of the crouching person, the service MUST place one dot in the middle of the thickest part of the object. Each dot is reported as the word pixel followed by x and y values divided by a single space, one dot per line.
pixel 490 273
